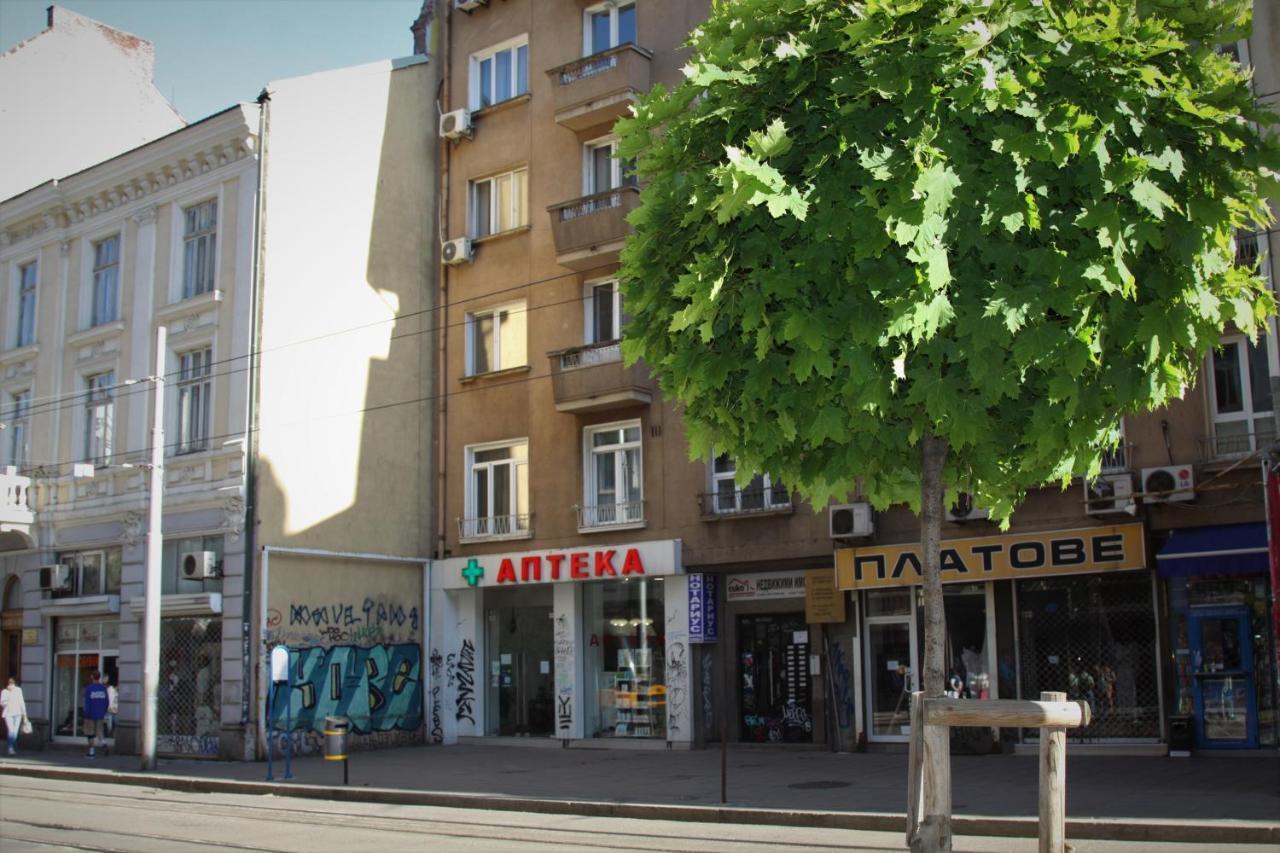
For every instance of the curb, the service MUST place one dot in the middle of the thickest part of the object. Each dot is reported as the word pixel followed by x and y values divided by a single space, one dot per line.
pixel 1098 829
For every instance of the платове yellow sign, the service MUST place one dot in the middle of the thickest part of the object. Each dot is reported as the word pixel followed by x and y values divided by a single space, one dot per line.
pixel 1018 555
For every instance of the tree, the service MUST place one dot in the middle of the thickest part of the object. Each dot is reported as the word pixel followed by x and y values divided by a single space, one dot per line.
pixel 902 246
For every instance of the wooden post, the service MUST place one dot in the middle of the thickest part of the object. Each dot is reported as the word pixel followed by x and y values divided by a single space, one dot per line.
pixel 915 769
pixel 1053 783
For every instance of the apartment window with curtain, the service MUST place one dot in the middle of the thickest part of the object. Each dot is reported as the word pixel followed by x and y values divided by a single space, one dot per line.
pixel 499 73
pixel 497 490
pixel 1241 397
pixel 18 422
pixel 495 339
pixel 200 241
pixel 25 333
pixel 99 421
pixel 608 25
pixel 194 386
pixel 499 203
pixel 614 476
pixel 603 170
pixel 106 281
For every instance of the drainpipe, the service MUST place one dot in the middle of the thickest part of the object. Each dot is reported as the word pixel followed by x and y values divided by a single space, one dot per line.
pixel 443 104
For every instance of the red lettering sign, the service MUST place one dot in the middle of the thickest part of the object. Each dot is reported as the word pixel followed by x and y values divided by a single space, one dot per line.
pixel 632 564
pixel 530 568
pixel 507 571
pixel 578 565
pixel 554 560
pixel 604 564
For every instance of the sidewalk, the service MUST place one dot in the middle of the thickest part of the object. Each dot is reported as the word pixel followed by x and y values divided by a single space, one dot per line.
pixel 1196 789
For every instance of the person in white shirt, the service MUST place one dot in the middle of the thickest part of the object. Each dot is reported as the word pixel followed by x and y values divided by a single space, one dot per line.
pixel 113 706
pixel 13 708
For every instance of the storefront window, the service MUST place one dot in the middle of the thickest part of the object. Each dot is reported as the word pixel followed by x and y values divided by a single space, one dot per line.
pixel 80 648
pixel 190 694
pixel 1093 638
pixel 93 572
pixel 625 658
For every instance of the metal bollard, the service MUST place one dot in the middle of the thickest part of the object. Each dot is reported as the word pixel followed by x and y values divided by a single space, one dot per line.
pixel 336 730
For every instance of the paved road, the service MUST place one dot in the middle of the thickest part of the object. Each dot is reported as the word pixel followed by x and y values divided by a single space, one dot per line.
pixel 44 814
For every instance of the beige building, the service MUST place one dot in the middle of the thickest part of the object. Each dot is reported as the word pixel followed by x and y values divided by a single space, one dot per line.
pixel 583 557
pixel 286 246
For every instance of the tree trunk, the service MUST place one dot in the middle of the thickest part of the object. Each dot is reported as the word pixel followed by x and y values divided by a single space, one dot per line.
pixel 935 830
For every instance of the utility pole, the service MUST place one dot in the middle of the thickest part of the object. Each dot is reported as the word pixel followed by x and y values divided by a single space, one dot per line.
pixel 155 542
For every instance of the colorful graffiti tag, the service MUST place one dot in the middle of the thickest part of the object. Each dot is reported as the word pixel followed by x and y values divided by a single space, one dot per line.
pixel 378 688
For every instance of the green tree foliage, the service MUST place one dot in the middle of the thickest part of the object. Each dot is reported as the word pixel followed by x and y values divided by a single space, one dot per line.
pixel 1002 223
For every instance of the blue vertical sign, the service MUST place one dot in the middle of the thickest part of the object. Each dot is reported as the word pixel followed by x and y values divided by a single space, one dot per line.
pixel 704 622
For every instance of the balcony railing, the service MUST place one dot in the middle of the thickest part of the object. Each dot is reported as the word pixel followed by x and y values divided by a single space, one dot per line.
pixel 589 231
pixel 1116 460
pixel 629 513
pixel 496 527
pixel 598 89
pixel 16 515
pixel 746 501
pixel 593 378
pixel 1234 445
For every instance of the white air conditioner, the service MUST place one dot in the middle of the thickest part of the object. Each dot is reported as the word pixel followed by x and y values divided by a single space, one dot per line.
pixel 1110 494
pixel 199 565
pixel 57 578
pixel 1168 484
pixel 456 124
pixel 850 520
pixel 963 510
pixel 468 5
pixel 456 251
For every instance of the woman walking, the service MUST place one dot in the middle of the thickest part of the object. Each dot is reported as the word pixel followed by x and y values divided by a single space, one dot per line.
pixel 13 707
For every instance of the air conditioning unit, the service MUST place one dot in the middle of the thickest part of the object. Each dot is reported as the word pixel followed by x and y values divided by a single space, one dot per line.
pixel 57 578
pixel 850 520
pixel 456 251
pixel 199 565
pixel 456 124
pixel 1110 494
pixel 468 5
pixel 1168 484
pixel 963 510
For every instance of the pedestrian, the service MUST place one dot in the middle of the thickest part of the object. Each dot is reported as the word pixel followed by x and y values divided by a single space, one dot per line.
pixel 13 707
pixel 96 702
pixel 113 705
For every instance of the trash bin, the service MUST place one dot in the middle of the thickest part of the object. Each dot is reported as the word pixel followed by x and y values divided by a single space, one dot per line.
pixel 1181 734
pixel 335 738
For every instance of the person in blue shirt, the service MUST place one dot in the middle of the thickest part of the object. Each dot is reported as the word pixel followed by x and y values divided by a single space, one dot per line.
pixel 96 702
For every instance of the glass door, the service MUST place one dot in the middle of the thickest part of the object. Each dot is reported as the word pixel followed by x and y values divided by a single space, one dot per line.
pixel 1222 672
pixel 81 649
pixel 521 668
pixel 890 650
pixel 773 658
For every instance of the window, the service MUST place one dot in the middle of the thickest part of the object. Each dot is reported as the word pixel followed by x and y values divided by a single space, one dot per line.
pixel 172 580
pixel 99 417
pixel 26 331
pixel 500 74
pixel 1242 421
pixel 499 203
pixel 106 281
pixel 497 491
pixel 200 238
pixel 496 339
pixel 614 476
pixel 602 170
pixel 18 422
pixel 602 309
pixel 193 400
pixel 608 25
pixel 93 572
pixel 759 495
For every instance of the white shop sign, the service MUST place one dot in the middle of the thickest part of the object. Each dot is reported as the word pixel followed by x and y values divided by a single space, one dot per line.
pixel 764 585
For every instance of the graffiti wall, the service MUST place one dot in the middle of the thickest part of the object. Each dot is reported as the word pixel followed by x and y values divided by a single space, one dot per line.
pixel 354 631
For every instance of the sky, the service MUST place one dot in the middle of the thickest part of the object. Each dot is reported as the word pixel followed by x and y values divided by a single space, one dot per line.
pixel 211 54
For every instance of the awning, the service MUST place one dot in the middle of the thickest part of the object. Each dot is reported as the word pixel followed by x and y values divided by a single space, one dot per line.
pixel 1224 549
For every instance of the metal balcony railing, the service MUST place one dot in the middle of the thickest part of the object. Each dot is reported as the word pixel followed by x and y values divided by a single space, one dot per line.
pixel 608 353
pixel 610 515
pixel 495 527
pixel 746 501
pixel 1116 460
pixel 1230 446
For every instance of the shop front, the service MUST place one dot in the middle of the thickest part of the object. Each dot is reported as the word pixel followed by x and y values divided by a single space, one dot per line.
pixel 1067 610
pixel 575 644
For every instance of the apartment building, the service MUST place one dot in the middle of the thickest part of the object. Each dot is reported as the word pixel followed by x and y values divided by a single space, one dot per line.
pixel 593 584
pixel 287 248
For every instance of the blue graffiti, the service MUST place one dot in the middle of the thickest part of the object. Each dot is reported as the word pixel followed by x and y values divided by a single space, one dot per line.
pixel 840 671
pixel 379 688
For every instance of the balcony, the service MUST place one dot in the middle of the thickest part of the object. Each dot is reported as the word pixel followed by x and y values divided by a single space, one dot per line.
pixel 594 379
pixel 756 499
pixel 495 527
pixel 599 89
pixel 629 514
pixel 589 231
pixel 16 516
pixel 1116 459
